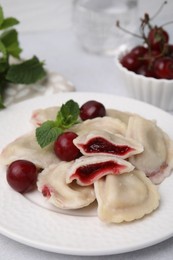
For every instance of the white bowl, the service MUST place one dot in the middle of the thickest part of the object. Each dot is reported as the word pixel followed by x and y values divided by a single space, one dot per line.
pixel 158 92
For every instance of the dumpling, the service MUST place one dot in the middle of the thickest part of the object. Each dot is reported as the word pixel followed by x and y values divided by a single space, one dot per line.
pixel 125 197
pixel 158 176
pixel 41 115
pixel 86 170
pixel 109 124
pixel 27 148
pixel 154 159
pixel 123 116
pixel 52 184
pixel 102 143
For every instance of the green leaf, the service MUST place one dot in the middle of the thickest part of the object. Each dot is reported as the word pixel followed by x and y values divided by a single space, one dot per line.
pixel 10 40
pixel 68 114
pixel 27 72
pixel 3 65
pixel 14 50
pixel 1 102
pixel 8 22
pixel 47 133
pixel 1 15
pixel 50 130
pixel 2 88
pixel 3 50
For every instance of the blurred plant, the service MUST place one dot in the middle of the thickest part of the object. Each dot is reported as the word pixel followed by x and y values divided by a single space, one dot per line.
pixel 25 71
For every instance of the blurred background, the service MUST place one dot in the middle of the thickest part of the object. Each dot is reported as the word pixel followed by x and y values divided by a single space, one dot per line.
pixel 47 30
pixel 36 15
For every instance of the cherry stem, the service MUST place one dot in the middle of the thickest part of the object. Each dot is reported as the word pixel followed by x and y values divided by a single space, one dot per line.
pixel 166 24
pixel 159 10
pixel 144 23
pixel 126 31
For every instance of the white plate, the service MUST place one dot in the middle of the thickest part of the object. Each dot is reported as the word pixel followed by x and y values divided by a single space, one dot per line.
pixel 29 223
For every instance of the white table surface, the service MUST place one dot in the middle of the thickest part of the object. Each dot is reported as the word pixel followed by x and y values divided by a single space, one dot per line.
pixel 87 72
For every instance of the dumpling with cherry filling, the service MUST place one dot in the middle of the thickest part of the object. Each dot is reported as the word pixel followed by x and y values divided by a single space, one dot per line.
pixel 109 124
pixel 26 147
pixel 158 176
pixel 102 143
pixel 88 169
pixel 125 197
pixel 52 184
pixel 157 157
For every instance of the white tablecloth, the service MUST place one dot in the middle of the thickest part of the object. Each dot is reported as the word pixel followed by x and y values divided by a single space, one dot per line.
pixel 87 72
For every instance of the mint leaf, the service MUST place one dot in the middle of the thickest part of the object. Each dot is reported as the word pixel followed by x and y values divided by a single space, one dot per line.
pixel 47 133
pixel 3 66
pixel 1 15
pixel 3 50
pixel 8 22
pixel 10 40
pixel 50 130
pixel 2 88
pixel 26 72
pixel 68 114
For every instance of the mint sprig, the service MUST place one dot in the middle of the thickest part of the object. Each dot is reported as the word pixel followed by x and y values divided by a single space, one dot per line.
pixel 50 130
pixel 25 72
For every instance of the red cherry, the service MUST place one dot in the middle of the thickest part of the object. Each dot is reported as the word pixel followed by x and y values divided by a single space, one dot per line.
pixel 92 109
pixel 139 51
pixel 130 61
pixel 157 38
pixel 22 175
pixel 136 58
pixel 169 50
pixel 64 147
pixel 163 68
pixel 150 57
pixel 145 71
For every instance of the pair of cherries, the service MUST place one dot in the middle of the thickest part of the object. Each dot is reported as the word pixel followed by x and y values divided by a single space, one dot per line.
pixel 22 174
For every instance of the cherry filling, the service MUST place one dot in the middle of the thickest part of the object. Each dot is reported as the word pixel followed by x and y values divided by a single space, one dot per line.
pixel 88 173
pixel 157 171
pixel 100 145
pixel 46 192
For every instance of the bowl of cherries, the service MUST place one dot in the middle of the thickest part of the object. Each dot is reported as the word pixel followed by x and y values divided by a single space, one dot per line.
pixel 147 68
